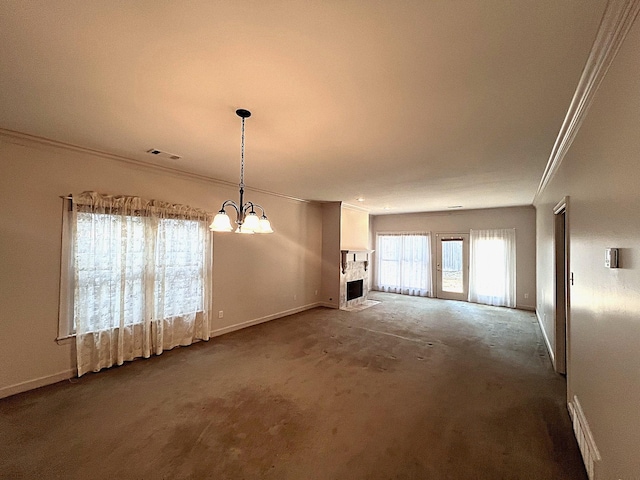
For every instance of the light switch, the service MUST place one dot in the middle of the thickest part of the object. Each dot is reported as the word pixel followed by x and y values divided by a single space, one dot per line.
pixel 611 258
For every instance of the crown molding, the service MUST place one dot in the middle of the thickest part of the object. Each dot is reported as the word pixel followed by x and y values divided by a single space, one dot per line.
pixel 358 208
pixel 616 21
pixel 26 139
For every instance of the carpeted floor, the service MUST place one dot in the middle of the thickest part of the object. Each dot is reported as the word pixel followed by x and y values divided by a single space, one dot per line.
pixel 362 306
pixel 411 388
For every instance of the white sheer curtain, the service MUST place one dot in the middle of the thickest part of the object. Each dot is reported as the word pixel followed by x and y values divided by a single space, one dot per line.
pixel 403 263
pixel 141 278
pixel 492 267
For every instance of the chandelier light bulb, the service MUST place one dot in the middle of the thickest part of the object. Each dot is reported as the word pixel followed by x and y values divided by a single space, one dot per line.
pixel 265 225
pixel 251 222
pixel 221 223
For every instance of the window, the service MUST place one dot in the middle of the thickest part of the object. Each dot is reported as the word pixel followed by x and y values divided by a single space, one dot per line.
pixel 111 269
pixel 137 279
pixel 492 269
pixel 178 287
pixel 403 263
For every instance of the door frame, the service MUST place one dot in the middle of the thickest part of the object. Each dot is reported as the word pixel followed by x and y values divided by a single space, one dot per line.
pixel 562 279
pixel 464 236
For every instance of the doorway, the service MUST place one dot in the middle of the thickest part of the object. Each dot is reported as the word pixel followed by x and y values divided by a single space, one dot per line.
pixel 561 276
pixel 452 266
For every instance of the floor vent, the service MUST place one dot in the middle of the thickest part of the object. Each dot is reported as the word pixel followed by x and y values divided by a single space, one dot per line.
pixel 590 453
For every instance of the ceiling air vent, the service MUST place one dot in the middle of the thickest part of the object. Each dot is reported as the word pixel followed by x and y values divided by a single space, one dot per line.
pixel 160 153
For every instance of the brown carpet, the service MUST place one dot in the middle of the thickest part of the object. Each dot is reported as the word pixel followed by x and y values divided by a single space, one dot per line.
pixel 412 388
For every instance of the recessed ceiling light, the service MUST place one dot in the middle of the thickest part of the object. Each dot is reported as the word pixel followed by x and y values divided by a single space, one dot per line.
pixel 387 208
pixel 360 199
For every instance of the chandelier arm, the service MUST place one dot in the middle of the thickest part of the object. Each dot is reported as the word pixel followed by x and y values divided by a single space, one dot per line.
pixel 247 205
pixel 261 208
pixel 230 203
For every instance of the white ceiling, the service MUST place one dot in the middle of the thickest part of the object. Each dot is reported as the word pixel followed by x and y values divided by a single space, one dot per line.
pixel 414 105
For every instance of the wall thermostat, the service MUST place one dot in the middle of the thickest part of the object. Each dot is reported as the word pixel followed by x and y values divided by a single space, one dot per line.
pixel 611 258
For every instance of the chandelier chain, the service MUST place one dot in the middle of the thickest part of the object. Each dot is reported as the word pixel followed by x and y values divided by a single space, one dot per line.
pixel 242 159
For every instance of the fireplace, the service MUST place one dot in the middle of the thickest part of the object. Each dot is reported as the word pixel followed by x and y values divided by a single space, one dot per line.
pixel 354 289
pixel 354 278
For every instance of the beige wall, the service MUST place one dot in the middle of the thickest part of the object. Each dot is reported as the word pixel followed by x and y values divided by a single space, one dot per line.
pixel 601 174
pixel 343 228
pixel 520 218
pixel 255 277
pixel 331 216
pixel 354 229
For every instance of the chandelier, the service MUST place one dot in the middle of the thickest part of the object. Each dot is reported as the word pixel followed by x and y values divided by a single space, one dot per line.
pixel 246 217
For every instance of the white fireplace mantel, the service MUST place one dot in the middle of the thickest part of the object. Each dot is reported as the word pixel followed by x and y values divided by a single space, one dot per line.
pixel 358 256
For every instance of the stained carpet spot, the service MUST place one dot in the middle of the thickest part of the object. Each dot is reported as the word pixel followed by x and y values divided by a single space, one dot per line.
pixel 210 438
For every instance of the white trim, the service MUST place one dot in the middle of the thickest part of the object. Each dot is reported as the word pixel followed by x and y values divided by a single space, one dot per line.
pixel 400 232
pixel 546 340
pixel 561 206
pixel 37 383
pixel 67 277
pixel 256 321
pixel 357 208
pixel 528 308
pixel 562 329
pixel 25 139
pixel 584 436
pixel 614 26
pixel 327 305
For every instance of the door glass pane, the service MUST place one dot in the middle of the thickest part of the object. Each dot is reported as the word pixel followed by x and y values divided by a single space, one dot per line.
pixel 452 280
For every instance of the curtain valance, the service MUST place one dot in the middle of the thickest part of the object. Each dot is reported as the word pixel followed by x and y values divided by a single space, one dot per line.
pixel 135 206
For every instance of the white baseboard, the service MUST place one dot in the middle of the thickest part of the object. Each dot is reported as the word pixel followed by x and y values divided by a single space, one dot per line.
pixel 529 308
pixel 37 383
pixel 586 442
pixel 328 305
pixel 546 340
pixel 256 321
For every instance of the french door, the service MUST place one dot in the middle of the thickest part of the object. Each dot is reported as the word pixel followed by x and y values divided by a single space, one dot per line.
pixel 452 266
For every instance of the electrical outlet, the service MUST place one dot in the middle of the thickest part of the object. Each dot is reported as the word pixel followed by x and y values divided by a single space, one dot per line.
pixel 526 295
pixel 316 292
pixel 295 297
pixel 220 314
